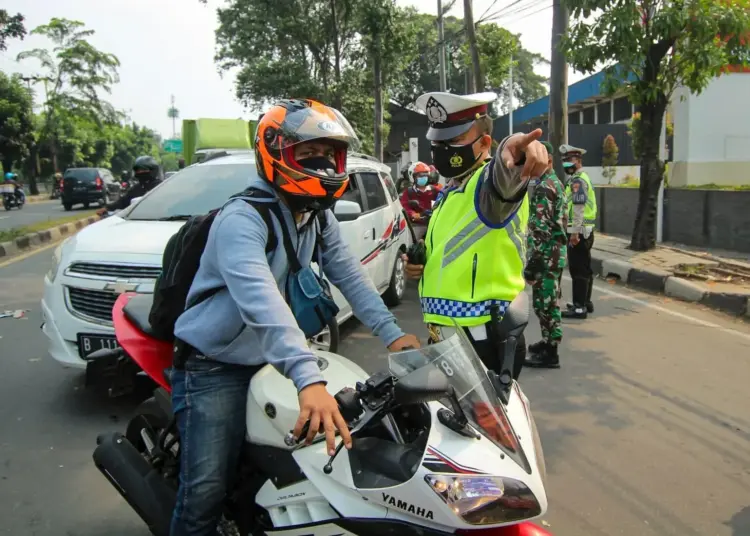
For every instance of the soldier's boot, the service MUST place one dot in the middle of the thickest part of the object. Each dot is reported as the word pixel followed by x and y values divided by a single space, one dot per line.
pixel 546 358
pixel 589 307
pixel 536 347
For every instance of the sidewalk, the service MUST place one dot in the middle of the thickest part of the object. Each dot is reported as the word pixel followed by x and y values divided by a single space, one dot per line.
pixel 718 282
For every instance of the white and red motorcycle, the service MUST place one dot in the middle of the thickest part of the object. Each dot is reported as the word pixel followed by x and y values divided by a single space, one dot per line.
pixel 441 447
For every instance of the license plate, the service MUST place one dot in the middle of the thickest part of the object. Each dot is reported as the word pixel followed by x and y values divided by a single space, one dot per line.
pixel 88 344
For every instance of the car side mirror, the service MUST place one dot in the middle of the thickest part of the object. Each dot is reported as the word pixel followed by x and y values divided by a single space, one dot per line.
pixel 135 200
pixel 516 317
pixel 347 210
pixel 425 384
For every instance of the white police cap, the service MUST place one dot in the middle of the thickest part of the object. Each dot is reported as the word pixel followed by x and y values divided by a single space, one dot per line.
pixel 451 115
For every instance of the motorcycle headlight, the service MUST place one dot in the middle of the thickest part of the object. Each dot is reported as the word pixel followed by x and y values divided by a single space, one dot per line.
pixel 486 500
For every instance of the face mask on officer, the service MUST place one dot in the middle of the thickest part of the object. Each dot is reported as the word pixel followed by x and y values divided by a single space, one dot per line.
pixel 569 167
pixel 453 160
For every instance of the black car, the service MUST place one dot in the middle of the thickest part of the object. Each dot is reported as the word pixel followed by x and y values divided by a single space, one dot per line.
pixel 89 185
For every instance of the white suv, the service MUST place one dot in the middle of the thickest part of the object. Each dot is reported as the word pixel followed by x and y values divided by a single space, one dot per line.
pixel 124 252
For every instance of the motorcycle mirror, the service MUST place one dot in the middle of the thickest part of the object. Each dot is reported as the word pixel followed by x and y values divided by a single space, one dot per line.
pixel 516 317
pixel 426 384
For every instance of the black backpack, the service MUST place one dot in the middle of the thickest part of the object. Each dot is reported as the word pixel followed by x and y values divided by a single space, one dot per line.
pixel 181 259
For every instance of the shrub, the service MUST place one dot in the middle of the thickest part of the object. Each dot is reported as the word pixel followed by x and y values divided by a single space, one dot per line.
pixel 611 153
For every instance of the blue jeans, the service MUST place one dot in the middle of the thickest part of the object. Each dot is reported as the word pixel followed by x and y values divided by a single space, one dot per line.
pixel 209 400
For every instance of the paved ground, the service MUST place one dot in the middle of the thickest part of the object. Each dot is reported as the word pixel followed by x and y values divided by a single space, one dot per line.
pixel 34 212
pixel 646 428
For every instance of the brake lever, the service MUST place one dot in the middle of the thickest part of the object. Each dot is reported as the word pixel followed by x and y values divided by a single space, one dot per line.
pixel 366 419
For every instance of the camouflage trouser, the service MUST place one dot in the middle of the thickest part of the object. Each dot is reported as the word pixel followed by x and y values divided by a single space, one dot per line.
pixel 545 295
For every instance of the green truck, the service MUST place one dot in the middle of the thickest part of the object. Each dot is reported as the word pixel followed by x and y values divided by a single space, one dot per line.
pixel 202 137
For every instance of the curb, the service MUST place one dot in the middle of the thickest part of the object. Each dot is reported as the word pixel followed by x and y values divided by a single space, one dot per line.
pixel 661 282
pixel 22 243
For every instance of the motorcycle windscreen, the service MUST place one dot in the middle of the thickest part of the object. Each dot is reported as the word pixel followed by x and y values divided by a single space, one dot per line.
pixel 456 359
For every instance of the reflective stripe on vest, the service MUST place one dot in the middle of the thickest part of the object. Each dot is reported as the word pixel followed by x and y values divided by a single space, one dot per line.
pixel 589 212
pixel 471 266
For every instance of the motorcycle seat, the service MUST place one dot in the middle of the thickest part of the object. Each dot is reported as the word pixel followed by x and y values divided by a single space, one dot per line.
pixel 137 310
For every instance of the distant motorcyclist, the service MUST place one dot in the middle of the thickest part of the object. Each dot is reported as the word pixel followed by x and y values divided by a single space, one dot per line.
pixel 147 173
pixel 417 198
pixel 12 178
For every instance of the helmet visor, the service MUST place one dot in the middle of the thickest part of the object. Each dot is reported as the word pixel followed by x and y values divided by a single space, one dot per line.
pixel 317 122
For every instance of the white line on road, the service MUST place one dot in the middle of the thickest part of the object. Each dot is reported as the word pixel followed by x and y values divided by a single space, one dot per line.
pixel 599 288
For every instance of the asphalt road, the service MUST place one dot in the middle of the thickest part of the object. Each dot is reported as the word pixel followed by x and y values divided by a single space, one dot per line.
pixel 34 212
pixel 646 428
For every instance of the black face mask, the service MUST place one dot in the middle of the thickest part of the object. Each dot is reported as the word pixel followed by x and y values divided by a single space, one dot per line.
pixel 306 204
pixel 571 170
pixel 454 161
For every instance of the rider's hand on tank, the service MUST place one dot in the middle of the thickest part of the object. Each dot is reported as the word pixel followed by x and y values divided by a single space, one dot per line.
pixel 413 271
pixel 318 406
pixel 519 146
pixel 407 341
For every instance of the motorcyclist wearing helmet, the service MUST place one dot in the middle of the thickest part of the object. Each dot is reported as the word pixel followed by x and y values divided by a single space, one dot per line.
pixel 300 151
pixel 417 199
pixel 147 173
pixel 12 178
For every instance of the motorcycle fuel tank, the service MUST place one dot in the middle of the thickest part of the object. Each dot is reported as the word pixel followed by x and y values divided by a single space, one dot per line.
pixel 272 403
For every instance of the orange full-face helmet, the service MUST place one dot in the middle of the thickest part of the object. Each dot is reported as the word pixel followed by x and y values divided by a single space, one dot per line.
pixel 301 148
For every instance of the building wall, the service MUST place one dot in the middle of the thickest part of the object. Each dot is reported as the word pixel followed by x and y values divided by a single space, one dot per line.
pixel 712 134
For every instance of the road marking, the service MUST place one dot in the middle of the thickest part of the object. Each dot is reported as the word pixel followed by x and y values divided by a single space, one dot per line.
pixel 599 288
pixel 29 254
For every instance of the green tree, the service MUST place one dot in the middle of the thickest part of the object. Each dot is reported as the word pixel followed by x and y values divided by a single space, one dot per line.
pixel 16 121
pixel 496 48
pixel 76 73
pixel 651 48
pixel 11 27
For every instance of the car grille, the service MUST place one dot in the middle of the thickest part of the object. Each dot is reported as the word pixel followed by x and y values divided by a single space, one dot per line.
pixel 115 271
pixel 96 304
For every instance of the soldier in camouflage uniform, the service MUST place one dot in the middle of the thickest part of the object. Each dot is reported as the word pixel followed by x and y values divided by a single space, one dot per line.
pixel 547 244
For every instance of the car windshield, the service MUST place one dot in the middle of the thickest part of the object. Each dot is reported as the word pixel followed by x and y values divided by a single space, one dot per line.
pixel 456 358
pixel 193 191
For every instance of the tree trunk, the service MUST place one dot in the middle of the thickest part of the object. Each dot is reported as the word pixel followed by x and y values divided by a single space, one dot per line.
pixel 476 83
pixel 378 89
pixel 652 173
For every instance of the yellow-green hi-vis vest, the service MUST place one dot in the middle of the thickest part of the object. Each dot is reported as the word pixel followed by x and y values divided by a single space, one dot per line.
pixel 471 264
pixel 589 212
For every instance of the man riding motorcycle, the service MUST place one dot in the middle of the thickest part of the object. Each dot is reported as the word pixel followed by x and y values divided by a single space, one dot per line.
pixel 417 199
pixel 18 193
pixel 147 172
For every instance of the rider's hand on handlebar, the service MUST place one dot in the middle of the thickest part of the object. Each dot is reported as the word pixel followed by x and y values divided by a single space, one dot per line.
pixel 402 343
pixel 318 406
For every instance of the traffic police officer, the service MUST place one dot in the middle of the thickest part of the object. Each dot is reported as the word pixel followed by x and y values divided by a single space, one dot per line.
pixel 581 221
pixel 475 241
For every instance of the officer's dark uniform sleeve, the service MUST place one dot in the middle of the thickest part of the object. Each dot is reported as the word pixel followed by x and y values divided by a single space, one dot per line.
pixel 500 197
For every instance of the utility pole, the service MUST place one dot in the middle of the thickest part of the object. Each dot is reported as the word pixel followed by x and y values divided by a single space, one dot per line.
pixel 377 76
pixel 441 45
pixel 476 82
pixel 510 98
pixel 558 95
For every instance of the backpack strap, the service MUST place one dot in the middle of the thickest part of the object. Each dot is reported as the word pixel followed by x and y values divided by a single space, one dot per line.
pixel 263 209
pixel 291 251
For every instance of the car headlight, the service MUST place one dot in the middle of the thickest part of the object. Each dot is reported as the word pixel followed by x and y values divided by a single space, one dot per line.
pixel 486 500
pixel 56 258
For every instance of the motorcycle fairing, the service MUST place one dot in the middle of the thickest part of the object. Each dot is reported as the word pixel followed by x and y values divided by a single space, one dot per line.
pixel 152 355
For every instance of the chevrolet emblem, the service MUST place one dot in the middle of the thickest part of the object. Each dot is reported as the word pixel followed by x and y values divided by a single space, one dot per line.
pixel 121 286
